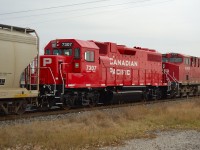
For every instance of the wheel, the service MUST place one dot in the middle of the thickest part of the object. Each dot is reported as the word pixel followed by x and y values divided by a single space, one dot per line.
pixel 43 103
pixel 158 94
pixel 145 96
pixel 93 99
pixel 68 101
pixel 92 103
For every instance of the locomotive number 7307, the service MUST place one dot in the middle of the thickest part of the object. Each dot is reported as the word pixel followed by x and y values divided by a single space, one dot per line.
pixel 90 68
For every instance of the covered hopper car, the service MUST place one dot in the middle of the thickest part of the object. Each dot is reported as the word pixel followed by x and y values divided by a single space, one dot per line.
pixel 18 48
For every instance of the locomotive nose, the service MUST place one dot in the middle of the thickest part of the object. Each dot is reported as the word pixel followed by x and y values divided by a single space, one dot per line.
pixel 50 67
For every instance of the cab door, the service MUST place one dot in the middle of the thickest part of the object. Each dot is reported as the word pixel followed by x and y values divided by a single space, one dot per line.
pixel 90 67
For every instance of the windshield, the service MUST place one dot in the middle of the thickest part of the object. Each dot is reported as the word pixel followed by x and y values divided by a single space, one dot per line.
pixel 57 52
pixel 172 60
pixel 66 52
pixel 165 60
pixel 176 60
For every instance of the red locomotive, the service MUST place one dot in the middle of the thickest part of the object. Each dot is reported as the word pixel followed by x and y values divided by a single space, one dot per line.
pixel 75 72
pixel 181 74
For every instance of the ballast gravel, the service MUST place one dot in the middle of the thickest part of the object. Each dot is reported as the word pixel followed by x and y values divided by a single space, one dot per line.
pixel 168 140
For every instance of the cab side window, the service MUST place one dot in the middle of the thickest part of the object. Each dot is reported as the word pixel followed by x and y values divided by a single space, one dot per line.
pixel 77 53
pixel 187 61
pixel 89 56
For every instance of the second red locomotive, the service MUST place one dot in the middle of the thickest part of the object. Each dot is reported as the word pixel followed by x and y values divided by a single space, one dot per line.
pixel 182 74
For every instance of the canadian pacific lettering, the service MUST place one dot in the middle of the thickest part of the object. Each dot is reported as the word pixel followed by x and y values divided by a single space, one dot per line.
pixel 126 63
pixel 120 71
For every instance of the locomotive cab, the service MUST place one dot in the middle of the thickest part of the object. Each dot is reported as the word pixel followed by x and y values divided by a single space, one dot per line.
pixel 56 61
pixel 176 66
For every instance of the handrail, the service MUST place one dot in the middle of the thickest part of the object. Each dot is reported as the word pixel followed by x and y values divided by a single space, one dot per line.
pixel 51 75
pixel 63 84
pixel 27 30
pixel 172 77
pixel 29 77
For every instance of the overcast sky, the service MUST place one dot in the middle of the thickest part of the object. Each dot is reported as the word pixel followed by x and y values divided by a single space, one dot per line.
pixel 164 25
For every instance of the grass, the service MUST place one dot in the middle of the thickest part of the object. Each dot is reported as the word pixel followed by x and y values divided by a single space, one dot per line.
pixel 101 128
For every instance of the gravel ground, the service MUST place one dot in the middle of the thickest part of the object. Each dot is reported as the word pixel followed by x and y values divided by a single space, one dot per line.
pixel 170 140
pixel 41 118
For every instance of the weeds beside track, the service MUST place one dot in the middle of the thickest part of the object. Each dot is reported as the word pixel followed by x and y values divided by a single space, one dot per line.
pixel 36 114
pixel 103 127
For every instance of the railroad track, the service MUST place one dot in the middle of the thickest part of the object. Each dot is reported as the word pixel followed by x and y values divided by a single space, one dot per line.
pixel 54 112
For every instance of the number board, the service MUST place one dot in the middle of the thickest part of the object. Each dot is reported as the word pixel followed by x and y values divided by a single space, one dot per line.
pixel 64 44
